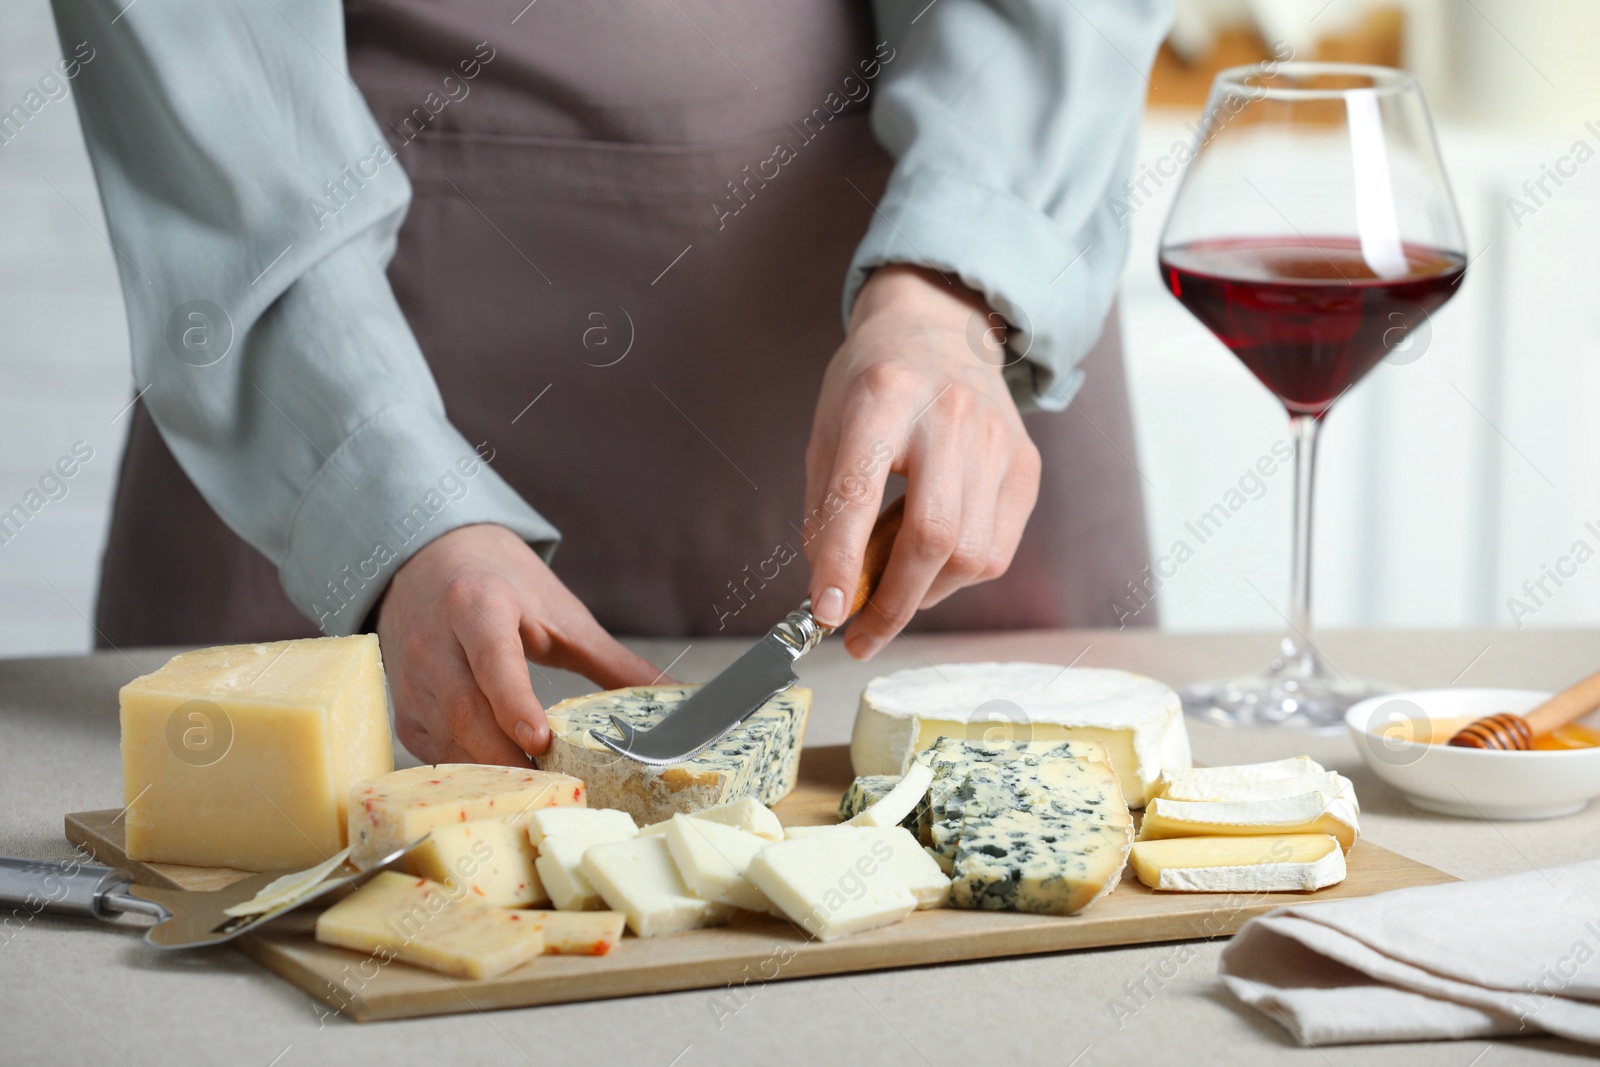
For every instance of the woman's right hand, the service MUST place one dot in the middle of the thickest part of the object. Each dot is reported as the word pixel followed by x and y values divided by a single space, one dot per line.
pixel 457 625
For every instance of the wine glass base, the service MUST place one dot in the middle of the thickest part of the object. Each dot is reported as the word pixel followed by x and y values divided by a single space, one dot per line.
pixel 1279 699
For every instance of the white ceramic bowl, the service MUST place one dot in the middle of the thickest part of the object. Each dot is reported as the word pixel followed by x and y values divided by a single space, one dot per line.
pixel 1467 781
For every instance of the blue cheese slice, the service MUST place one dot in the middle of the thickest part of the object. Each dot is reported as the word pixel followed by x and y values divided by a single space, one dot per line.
pixel 1050 839
pixel 864 792
pixel 760 758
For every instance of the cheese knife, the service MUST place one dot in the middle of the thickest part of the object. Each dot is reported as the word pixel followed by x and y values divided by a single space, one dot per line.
pixel 184 918
pixel 757 676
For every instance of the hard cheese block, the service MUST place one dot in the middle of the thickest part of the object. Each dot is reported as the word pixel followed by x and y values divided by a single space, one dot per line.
pixel 398 916
pixel 1138 720
pixel 639 879
pixel 1049 839
pixel 491 859
pixel 243 756
pixel 1279 863
pixel 760 758
pixel 393 810
pixel 833 883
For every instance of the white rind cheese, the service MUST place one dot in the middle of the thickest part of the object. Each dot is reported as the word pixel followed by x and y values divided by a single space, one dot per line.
pixel 1196 780
pixel 639 879
pixel 1138 719
pixel 1050 839
pixel 897 805
pixel 760 758
pixel 1288 863
pixel 1329 782
pixel 1308 813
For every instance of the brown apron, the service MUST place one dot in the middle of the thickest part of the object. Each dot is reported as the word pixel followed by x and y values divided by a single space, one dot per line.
pixel 573 245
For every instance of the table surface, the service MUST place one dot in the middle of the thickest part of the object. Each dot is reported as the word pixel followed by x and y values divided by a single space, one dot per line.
pixel 73 991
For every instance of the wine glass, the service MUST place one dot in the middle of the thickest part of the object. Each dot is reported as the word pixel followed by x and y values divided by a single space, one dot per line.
pixel 1313 232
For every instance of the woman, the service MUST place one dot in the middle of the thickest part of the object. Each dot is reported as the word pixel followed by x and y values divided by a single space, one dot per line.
pixel 609 288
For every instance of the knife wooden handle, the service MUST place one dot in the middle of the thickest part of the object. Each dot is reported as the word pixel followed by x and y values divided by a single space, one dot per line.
pixel 876 559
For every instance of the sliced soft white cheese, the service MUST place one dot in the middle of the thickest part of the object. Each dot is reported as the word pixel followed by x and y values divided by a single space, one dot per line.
pixel 901 801
pixel 1279 863
pixel 638 878
pixel 1328 782
pixel 712 857
pixel 563 839
pixel 1138 719
pixel 1307 813
pixel 831 884
pixel 908 861
pixel 1211 779
pixel 597 824
pixel 749 815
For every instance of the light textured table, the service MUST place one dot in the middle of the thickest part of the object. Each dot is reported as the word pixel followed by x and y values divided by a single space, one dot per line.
pixel 76 992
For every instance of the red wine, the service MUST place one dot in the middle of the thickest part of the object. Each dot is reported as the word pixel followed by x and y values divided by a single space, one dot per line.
pixel 1309 317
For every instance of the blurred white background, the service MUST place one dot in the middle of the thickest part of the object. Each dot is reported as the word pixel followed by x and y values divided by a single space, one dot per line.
pixel 1447 482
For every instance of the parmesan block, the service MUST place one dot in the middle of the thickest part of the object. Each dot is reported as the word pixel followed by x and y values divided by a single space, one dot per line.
pixel 562 838
pixel 833 884
pixel 1283 863
pixel 1307 813
pixel 1049 839
pixel 749 815
pixel 759 758
pixel 489 858
pixel 393 810
pixel 864 792
pixel 712 858
pixel 1138 720
pixel 897 805
pixel 639 879
pixel 578 933
pixel 243 756
pixel 423 923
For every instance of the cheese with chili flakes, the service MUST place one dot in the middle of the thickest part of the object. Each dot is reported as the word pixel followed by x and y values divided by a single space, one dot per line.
pixel 401 917
pixel 395 809
pixel 491 859
pixel 578 933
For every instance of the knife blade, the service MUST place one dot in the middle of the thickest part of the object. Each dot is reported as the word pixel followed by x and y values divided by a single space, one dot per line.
pixel 761 673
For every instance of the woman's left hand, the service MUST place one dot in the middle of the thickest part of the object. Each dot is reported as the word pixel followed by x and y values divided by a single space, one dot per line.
pixel 911 392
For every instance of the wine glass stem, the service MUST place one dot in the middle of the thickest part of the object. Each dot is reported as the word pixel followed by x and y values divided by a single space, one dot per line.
pixel 1297 654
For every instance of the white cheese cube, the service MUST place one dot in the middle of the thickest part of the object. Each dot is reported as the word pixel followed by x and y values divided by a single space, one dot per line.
pixel 1138 720
pixel 639 879
pixel 832 884
pixel 900 801
pixel 1294 862
pixel 594 824
pixel 712 857
pixel 562 841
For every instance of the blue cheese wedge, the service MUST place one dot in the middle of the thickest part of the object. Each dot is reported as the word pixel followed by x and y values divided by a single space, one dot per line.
pixel 1279 863
pixel 1049 840
pixel 760 758
pixel 864 792
pixel 1138 720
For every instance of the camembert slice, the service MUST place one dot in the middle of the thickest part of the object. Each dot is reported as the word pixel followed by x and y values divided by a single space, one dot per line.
pixel 1278 863
pixel 1307 813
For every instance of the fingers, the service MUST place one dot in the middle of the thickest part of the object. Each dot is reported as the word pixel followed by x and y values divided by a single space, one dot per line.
pixel 930 533
pixel 604 660
pixel 490 637
pixel 469 722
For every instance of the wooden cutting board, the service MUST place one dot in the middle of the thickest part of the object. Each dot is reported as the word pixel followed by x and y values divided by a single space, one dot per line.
pixel 754 948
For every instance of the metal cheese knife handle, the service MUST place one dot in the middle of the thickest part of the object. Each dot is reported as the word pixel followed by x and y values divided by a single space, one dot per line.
pixel 763 672
pixel 67 887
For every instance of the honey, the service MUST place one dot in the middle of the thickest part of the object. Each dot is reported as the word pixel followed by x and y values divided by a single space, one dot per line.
pixel 1573 735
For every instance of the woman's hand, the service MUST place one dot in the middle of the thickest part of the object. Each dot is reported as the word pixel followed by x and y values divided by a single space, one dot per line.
pixel 908 393
pixel 457 625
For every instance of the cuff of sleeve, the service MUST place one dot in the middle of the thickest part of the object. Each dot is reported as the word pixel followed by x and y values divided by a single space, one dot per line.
pixel 404 477
pixel 1005 249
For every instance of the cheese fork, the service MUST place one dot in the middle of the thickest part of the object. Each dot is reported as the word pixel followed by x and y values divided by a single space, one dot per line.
pixel 185 918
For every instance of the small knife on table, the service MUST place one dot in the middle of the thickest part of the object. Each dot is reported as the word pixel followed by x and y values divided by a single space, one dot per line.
pixel 763 672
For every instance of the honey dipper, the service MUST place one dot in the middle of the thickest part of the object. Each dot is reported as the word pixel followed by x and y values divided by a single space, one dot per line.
pixel 1512 732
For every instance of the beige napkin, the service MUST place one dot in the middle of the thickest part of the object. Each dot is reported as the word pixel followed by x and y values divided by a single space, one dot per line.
pixel 1514 955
